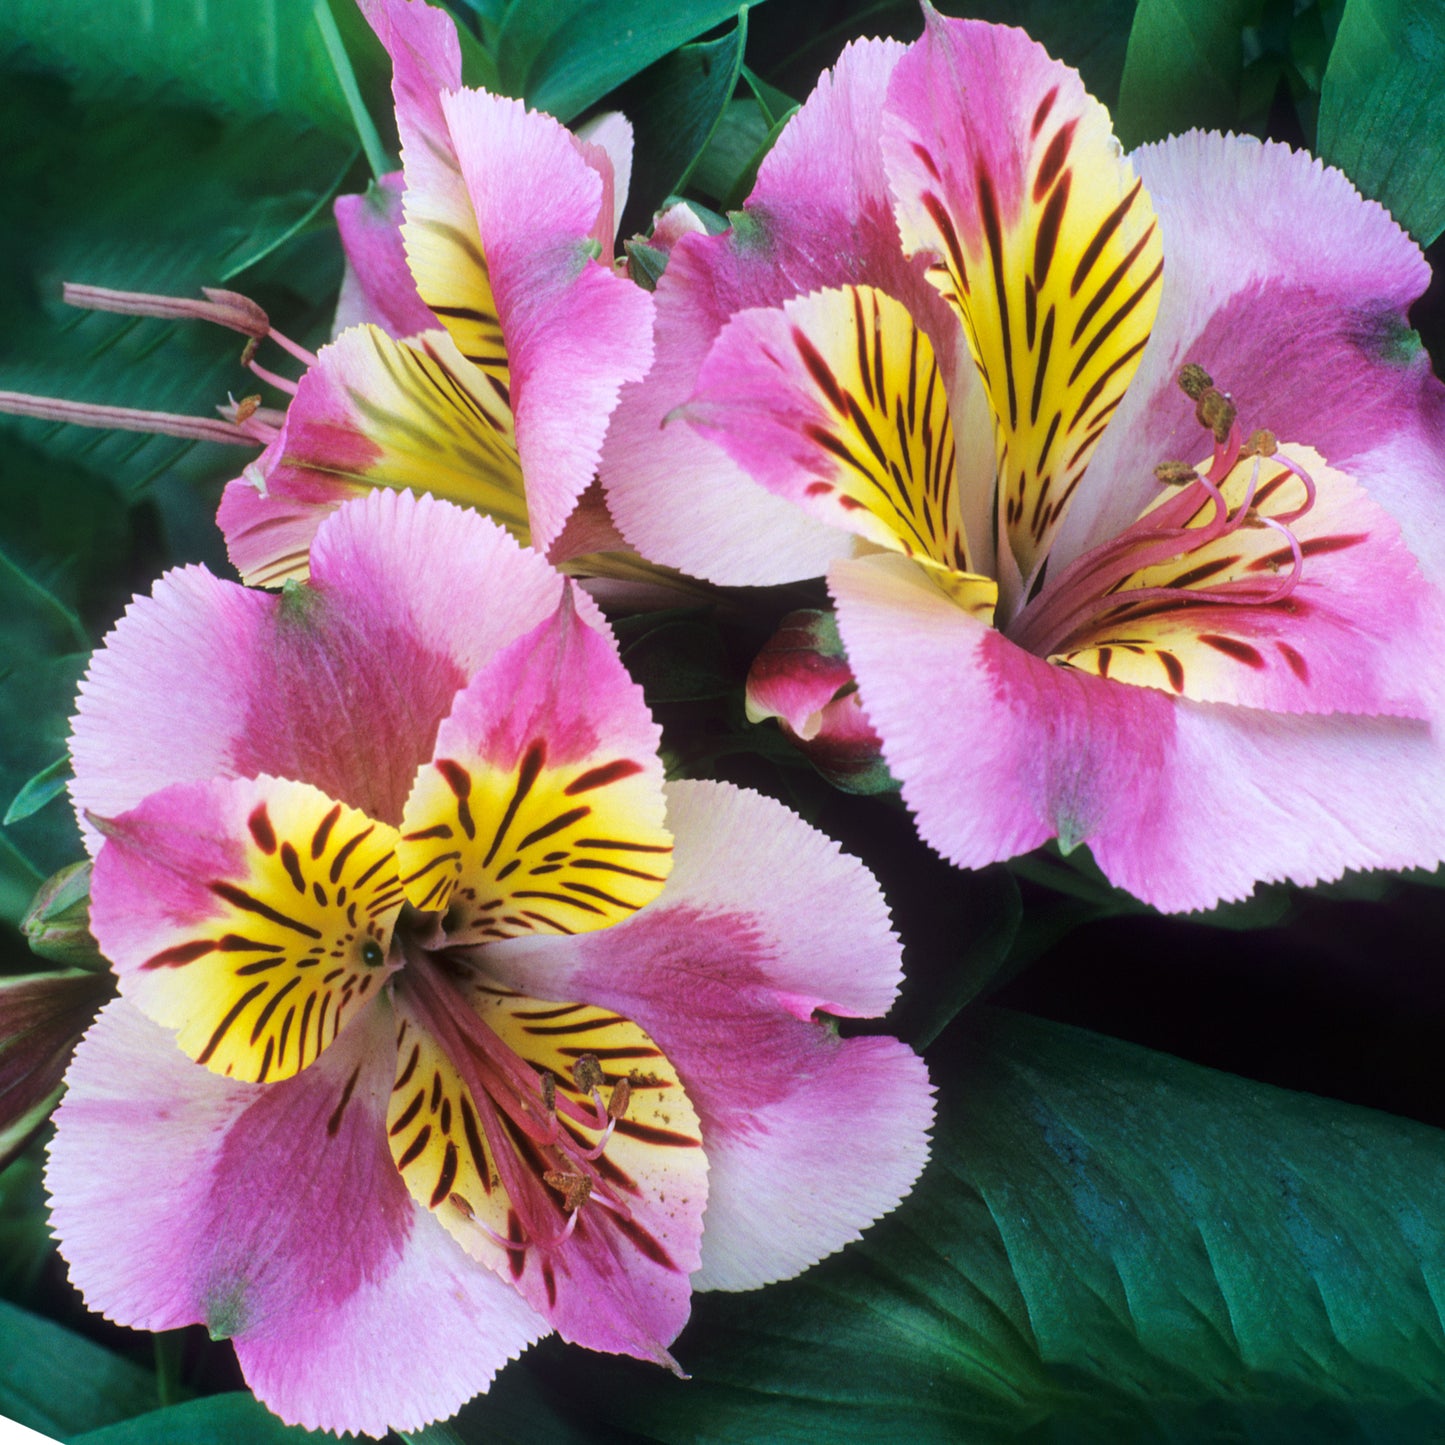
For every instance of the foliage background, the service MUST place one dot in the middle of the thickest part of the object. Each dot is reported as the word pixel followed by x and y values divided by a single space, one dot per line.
pixel 1126 1233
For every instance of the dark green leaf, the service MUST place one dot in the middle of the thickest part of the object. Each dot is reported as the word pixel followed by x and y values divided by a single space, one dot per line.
pixel 676 655
pixel 48 783
pixel 1382 108
pixel 232 56
pixel 1184 68
pixel 675 107
pixel 567 54
pixel 1109 1244
pixel 60 1383
pixel 215 1420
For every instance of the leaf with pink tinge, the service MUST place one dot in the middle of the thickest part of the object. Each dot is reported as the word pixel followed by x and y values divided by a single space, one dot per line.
pixel 273 1216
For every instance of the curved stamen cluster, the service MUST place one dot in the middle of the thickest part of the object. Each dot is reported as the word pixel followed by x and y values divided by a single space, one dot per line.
pixel 1094 589
pixel 514 1102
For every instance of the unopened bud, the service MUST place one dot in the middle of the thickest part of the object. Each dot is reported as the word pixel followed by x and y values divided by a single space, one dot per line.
pixel 57 923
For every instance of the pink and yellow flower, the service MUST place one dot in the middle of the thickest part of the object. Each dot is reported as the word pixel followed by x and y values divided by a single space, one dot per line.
pixel 493 336
pixel 944 336
pixel 441 1020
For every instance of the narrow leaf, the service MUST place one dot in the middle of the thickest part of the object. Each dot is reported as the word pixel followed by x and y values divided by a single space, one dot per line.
pixel 48 783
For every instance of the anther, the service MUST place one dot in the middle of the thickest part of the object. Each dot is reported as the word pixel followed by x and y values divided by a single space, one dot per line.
pixel 1194 380
pixel 549 1092
pixel 246 408
pixel 1261 443
pixel 1175 474
pixel 1215 411
pixel 587 1071
pixel 575 1189
pixel 621 1097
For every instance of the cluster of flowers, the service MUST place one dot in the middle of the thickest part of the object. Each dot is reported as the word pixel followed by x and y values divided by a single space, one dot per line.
pixel 443 1021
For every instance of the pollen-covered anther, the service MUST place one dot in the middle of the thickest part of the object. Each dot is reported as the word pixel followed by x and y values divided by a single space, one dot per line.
pixel 246 408
pixel 1175 474
pixel 619 1100
pixel 587 1073
pixel 575 1189
pixel 249 350
pixel 1215 410
pixel 549 1091
pixel 1261 443
pixel 1194 380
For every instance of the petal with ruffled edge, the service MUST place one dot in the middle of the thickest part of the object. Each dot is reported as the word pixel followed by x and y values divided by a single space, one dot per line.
pixel 377 286
pixel 1045 243
pixel 253 916
pixel 1348 628
pixel 820 215
pixel 340 682
pixel 1184 804
pixel 575 330
pixel 609 1266
pixel 763 921
pixel 836 401
pixel 1293 292
pixel 274 1216
pixel 542 807
pixel 373 412
pixel 605 143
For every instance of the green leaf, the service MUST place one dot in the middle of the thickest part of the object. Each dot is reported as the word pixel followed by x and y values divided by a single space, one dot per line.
pixel 1109 1244
pixel 61 1383
pixel 48 783
pixel 1183 68
pixel 567 54
pixel 231 56
pixel 675 107
pixel 1382 108
pixel 214 1420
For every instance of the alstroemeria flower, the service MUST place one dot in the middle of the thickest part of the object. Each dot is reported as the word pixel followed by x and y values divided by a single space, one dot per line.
pixel 492 361
pixel 434 1033
pixel 1074 611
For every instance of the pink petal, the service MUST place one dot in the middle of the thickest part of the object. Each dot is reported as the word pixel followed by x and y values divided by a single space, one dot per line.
pixel 1292 292
pixel 1183 804
pixel 821 215
pixel 378 285
pixel 605 143
pixel 763 921
pixel 341 683
pixel 273 1215
pixel 575 331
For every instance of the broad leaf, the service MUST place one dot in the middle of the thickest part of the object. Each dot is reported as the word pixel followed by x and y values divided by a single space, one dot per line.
pixel 215 1420
pixel 1382 108
pixel 1109 1244
pixel 61 1383
pixel 1183 69
pixel 567 54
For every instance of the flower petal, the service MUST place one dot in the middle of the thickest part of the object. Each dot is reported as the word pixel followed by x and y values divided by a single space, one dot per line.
pixel 1184 804
pixel 605 143
pixel 378 286
pixel 542 807
pixel 836 401
pixel 373 412
pixel 575 330
pixel 618 1281
pixel 1354 635
pixel 341 682
pixel 274 1216
pixel 763 922
pixel 820 215
pixel 252 916
pixel 1292 291
pixel 1046 245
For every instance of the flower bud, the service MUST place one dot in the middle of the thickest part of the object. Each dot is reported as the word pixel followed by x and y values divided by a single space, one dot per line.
pixel 57 923
pixel 802 678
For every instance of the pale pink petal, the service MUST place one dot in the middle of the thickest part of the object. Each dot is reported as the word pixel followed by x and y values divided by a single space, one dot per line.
pixel 340 683
pixel 1292 292
pixel 820 215
pixel 378 285
pixel 273 1215
pixel 605 142
pixel 1181 803
pixel 575 331
pixel 763 921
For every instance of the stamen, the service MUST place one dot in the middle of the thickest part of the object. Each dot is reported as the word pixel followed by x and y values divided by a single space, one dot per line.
pixel 224 308
pixel 575 1189
pixel 587 1072
pixel 1175 474
pixel 281 383
pixel 123 418
pixel 1194 381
